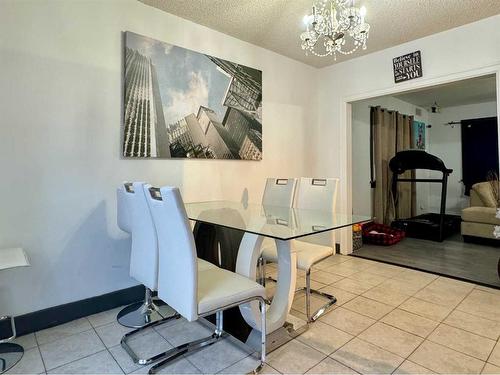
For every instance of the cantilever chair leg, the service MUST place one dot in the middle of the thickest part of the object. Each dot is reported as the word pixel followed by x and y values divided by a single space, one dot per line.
pixel 217 335
pixel 194 346
pixel 188 347
pixel 129 335
pixel 323 309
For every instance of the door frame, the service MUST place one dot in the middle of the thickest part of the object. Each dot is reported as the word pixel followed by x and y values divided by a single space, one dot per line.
pixel 346 118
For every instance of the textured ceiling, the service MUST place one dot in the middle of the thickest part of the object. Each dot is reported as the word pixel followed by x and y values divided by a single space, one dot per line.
pixel 469 91
pixel 276 24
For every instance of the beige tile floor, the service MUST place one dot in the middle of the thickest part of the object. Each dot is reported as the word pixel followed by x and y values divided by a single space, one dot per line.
pixel 387 320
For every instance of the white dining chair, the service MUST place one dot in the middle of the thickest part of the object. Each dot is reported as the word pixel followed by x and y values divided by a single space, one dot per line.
pixel 314 194
pixel 193 292
pixel 133 217
pixel 277 192
pixel 123 207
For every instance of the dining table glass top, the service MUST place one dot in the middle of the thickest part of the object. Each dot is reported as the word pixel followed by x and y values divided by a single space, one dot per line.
pixel 281 223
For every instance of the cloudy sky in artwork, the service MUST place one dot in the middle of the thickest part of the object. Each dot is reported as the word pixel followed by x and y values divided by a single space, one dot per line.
pixel 187 79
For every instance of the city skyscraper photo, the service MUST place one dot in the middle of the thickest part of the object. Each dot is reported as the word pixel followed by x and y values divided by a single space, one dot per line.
pixel 184 104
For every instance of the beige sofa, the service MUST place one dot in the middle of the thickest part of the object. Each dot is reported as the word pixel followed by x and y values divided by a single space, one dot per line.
pixel 478 220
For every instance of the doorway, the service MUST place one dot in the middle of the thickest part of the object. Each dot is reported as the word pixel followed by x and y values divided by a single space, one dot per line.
pixel 457 124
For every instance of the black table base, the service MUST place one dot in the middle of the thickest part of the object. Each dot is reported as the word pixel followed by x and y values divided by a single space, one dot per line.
pixel 209 239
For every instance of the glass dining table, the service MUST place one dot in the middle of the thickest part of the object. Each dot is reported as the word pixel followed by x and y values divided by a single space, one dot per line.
pixel 230 234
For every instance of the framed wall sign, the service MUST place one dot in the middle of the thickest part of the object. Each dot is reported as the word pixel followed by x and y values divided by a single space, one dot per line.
pixel 407 67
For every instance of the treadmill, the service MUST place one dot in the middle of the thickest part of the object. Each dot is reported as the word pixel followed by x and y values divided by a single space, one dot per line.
pixel 429 226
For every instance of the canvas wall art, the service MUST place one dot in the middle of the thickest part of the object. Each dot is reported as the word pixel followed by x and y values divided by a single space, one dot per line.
pixel 418 135
pixel 183 104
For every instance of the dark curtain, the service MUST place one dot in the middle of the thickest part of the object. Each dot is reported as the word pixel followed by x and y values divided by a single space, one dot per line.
pixel 390 133
pixel 479 150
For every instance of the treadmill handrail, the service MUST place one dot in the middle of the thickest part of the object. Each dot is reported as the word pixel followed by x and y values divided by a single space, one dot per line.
pixel 437 180
pixel 417 159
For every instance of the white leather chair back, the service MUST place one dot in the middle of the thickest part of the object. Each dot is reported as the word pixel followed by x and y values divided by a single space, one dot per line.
pixel 123 207
pixel 144 254
pixel 178 270
pixel 279 192
pixel 318 194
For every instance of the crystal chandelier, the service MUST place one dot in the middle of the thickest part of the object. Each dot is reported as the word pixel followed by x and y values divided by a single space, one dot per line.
pixel 329 25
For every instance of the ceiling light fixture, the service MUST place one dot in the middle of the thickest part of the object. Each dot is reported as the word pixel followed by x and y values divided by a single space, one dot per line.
pixel 329 25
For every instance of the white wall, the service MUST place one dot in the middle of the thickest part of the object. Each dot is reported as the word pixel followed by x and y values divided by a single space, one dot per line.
pixel 361 192
pixel 450 55
pixel 61 109
pixel 446 143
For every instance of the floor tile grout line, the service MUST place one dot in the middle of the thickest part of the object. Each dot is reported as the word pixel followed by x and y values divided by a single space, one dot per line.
pixel 106 347
pixel 327 355
pixel 340 329
pixel 435 330
pixel 479 287
pixel 404 330
pixel 336 360
pixel 465 330
pixel 310 347
pixel 394 277
pixel 477 316
pixel 40 352
pixel 74 334
pixel 356 281
pixel 384 349
pixel 119 365
pixel 376 319
pixel 79 359
pixel 201 371
pixel 310 368
pixel 65 336
pixel 408 360
pixel 41 357
pixel 225 368
pixel 173 346
pixel 352 338
pixel 489 355
pixel 453 308
pixel 424 339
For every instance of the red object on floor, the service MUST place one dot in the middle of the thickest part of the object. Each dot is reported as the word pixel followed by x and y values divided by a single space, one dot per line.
pixel 385 235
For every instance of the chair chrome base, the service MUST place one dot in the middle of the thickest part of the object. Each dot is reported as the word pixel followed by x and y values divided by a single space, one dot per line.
pixel 10 354
pixel 192 346
pixel 188 347
pixel 140 314
pixel 129 335
pixel 323 309
pixel 173 353
pixel 307 289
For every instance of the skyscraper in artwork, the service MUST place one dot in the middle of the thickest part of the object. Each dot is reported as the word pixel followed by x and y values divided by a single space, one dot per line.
pixel 145 132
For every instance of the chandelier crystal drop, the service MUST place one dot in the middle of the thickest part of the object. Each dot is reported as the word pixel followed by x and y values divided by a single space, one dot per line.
pixel 334 26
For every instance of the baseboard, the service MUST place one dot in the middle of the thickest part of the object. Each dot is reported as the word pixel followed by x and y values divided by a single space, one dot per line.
pixel 61 314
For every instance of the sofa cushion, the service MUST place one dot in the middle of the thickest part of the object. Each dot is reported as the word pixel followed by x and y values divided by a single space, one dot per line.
pixel 478 230
pixel 485 193
pixel 484 215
